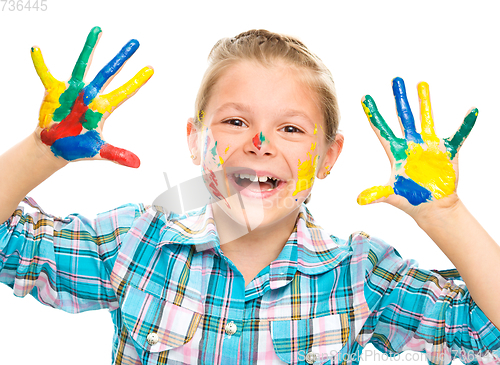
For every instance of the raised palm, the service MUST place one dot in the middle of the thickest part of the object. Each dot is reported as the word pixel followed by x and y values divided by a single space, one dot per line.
pixel 424 167
pixel 72 114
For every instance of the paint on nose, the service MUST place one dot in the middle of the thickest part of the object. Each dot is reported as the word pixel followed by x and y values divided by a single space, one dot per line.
pixel 258 139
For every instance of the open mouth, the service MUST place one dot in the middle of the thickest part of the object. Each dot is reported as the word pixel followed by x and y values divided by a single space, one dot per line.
pixel 266 183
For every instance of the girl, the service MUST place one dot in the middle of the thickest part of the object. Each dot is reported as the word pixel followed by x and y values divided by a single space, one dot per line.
pixel 251 278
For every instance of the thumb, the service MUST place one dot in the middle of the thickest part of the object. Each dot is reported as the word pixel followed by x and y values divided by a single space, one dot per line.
pixel 119 155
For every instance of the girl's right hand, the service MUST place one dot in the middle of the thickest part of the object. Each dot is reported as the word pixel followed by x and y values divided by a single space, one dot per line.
pixel 72 115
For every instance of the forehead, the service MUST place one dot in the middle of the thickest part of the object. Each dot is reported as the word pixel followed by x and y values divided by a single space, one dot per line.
pixel 254 88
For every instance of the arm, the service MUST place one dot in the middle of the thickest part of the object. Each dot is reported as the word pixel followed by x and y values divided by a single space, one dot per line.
pixel 64 263
pixel 70 124
pixel 423 184
pixel 420 310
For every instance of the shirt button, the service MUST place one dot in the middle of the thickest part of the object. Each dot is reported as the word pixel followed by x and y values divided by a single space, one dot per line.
pixel 152 338
pixel 311 358
pixel 231 328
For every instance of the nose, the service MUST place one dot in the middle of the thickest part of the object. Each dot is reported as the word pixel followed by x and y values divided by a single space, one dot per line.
pixel 260 145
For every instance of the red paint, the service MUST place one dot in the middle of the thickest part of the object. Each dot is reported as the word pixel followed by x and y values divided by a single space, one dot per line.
pixel 69 126
pixel 256 141
pixel 213 185
pixel 119 155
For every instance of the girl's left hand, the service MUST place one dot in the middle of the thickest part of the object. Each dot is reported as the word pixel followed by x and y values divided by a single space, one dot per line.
pixel 424 172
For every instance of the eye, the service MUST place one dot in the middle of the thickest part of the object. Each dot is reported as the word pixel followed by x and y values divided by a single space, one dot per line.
pixel 291 129
pixel 235 122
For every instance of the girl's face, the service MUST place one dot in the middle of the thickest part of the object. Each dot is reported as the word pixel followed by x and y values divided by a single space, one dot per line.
pixel 262 136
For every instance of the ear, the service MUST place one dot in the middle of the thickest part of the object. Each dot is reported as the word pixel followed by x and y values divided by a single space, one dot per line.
pixel 332 154
pixel 193 141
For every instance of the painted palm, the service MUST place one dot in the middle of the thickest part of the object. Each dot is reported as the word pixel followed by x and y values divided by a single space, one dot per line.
pixel 72 113
pixel 424 167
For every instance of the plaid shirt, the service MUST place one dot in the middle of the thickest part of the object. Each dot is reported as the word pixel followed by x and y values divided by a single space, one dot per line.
pixel 176 299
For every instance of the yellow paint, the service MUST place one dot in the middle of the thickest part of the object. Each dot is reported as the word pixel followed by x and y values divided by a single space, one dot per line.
pixel 374 193
pixel 221 160
pixel 313 146
pixel 428 133
pixel 430 168
pixel 108 102
pixel 315 129
pixel 227 149
pixel 367 111
pixel 307 171
pixel 53 87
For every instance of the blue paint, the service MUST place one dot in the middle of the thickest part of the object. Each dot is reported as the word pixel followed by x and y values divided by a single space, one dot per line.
pixel 404 111
pixel 75 147
pixel 413 192
pixel 92 89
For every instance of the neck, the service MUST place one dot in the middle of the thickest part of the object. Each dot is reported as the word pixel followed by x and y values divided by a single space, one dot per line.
pixel 252 251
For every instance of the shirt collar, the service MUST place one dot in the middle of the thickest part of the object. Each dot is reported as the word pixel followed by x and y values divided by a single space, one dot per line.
pixel 310 249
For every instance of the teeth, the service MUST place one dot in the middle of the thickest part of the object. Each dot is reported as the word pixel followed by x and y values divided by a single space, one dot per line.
pixel 255 178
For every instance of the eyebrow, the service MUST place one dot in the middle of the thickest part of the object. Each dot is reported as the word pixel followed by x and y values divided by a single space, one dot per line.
pixel 247 109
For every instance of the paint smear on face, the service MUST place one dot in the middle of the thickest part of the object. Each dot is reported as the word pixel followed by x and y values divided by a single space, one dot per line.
pixel 258 139
pixel 313 146
pixel 208 172
pixel 431 169
pixel 315 129
pixel 227 149
pixel 307 171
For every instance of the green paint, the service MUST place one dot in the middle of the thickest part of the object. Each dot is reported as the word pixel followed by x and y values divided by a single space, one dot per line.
pixel 262 138
pixel 398 145
pixel 32 49
pixel 92 119
pixel 67 99
pixel 214 150
pixel 76 84
pixel 81 64
pixel 454 143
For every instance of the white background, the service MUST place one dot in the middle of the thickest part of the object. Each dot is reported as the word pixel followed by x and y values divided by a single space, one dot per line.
pixel 453 45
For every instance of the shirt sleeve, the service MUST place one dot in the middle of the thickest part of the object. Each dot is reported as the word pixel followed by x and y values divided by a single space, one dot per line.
pixel 63 263
pixel 420 310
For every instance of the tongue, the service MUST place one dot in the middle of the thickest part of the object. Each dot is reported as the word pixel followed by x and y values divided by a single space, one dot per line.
pixel 265 185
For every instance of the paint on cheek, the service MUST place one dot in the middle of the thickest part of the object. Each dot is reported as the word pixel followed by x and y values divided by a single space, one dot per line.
pixel 227 149
pixel 431 169
pixel 315 129
pixel 213 187
pixel 313 146
pixel 307 171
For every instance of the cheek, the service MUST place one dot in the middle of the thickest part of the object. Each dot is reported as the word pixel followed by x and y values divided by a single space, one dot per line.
pixel 305 170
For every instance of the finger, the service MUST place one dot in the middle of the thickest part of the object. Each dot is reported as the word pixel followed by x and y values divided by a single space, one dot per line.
pixel 374 193
pixel 109 102
pixel 427 122
pixel 120 156
pixel 104 76
pixel 48 81
pixel 454 143
pixel 404 112
pixel 398 145
pixel 83 61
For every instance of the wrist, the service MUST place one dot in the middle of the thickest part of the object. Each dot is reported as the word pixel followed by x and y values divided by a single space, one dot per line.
pixel 42 153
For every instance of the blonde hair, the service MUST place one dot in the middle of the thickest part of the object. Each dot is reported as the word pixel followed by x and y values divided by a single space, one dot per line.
pixel 266 47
